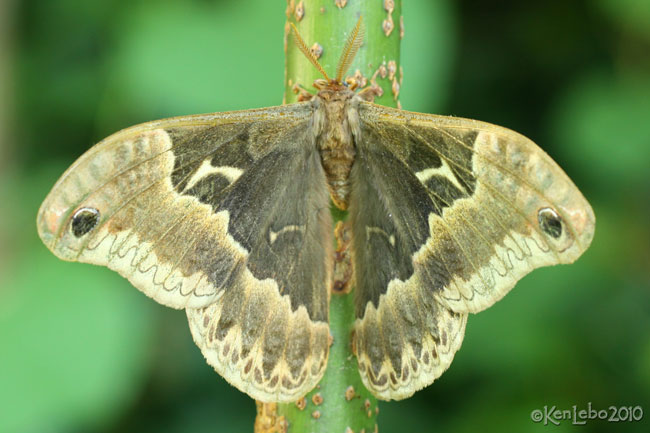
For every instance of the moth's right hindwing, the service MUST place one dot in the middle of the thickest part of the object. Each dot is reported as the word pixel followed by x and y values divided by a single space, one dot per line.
pixel 225 215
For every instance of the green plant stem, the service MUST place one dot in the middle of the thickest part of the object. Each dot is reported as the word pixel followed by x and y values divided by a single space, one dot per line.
pixel 328 408
pixel 327 25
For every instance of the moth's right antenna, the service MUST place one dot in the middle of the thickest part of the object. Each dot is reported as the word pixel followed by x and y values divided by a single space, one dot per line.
pixel 352 45
pixel 303 47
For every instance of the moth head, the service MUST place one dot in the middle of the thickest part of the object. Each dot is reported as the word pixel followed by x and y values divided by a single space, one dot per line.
pixel 350 49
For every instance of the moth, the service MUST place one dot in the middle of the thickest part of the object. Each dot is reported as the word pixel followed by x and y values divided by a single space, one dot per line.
pixel 227 215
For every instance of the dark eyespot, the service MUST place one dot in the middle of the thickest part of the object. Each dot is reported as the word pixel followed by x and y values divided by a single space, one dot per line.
pixel 84 220
pixel 550 222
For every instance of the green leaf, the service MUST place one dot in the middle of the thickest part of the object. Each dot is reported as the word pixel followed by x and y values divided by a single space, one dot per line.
pixel 76 339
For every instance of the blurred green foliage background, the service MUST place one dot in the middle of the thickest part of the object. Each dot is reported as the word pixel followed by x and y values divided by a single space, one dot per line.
pixel 83 351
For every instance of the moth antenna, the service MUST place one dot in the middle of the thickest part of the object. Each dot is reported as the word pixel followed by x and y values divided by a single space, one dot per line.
pixel 350 49
pixel 303 47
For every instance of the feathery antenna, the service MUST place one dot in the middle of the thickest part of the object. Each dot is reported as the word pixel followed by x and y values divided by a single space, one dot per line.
pixel 350 49
pixel 303 47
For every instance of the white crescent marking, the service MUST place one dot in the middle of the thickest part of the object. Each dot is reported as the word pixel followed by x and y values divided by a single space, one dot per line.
pixel 206 169
pixel 444 171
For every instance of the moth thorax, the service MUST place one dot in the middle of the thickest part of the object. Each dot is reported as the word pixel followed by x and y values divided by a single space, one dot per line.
pixel 336 145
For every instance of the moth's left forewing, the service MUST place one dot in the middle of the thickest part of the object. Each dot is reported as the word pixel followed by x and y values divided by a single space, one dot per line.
pixel 135 202
pixel 474 206
pixel 199 213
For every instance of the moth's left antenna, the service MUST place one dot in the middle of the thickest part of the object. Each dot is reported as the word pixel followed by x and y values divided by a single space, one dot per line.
pixel 303 47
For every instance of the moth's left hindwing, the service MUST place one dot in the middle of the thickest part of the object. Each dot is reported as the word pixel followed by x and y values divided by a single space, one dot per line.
pixel 225 215
pixel 447 214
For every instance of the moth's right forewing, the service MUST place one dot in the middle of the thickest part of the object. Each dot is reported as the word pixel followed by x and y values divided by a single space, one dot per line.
pixel 496 205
